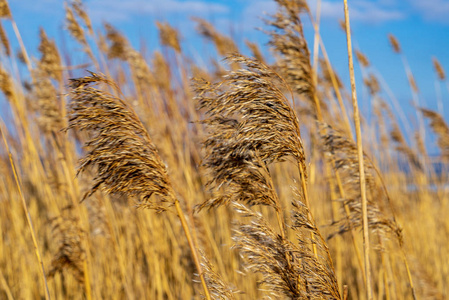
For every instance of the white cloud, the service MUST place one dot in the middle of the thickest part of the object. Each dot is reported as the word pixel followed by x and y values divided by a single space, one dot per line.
pixel 432 10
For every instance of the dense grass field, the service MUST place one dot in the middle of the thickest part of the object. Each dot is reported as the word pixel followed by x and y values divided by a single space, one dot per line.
pixel 149 177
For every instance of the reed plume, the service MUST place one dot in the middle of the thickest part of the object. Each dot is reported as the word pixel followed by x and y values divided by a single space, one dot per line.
pixel 403 147
pixel 126 160
pixel 4 41
pixel 343 152
pixel 255 51
pixel 50 62
pixel 441 129
pixel 80 10
pixel 372 84
pixel 169 36
pixel 363 60
pixel 4 9
pixel 438 69
pixel 287 39
pixel 251 125
pixel 394 43
pixel 118 44
pixel 287 269
pixel 223 44
pixel 74 27
pixel 70 253
pixel 219 289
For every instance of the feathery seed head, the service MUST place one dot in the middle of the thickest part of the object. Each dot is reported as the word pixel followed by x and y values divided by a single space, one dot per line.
pixel 119 146
pixel 169 36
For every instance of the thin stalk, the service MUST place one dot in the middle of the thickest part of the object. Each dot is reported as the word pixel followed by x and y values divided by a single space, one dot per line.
pixel 333 77
pixel 358 131
pixel 196 259
pixel 6 288
pixel 316 41
pixel 28 216
pixel 22 46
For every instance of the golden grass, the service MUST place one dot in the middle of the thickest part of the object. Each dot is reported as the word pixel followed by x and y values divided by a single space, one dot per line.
pixel 266 147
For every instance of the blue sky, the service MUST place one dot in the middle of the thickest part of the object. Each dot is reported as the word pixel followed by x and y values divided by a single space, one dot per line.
pixel 421 26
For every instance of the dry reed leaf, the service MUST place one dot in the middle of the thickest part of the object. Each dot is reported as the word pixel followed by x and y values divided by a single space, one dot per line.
pixel 287 269
pixel 251 125
pixel 440 128
pixel 119 146
pixel 169 36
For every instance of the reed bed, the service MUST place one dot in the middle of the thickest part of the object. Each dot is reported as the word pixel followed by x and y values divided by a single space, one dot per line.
pixel 150 177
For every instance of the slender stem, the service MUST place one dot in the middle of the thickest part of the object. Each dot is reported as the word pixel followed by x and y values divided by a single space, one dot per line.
pixel 6 288
pixel 358 131
pixel 22 46
pixel 27 214
pixel 196 259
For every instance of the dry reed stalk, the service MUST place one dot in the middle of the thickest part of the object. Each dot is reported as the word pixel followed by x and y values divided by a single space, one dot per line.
pixel 27 213
pixel 288 269
pixel 169 36
pixel 127 161
pixel 366 243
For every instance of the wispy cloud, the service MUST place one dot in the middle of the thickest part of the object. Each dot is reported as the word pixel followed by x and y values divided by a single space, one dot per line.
pixel 119 10
pixel 377 12
pixel 432 10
